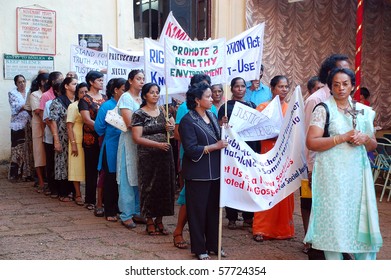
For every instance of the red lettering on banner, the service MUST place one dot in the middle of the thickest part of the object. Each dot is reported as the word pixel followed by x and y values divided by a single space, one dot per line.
pixel 175 32
pixel 234 183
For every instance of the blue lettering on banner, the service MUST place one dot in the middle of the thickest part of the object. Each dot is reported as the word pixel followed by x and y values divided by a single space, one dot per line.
pixel 236 46
pixel 245 67
pixel 156 79
pixel 85 52
pixel 253 43
pixel 81 60
pixel 242 67
pixel 156 56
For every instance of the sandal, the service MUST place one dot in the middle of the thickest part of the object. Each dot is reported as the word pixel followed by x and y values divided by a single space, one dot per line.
pixel 90 206
pixel 99 212
pixel 160 227
pixel 222 252
pixel 151 229
pixel 65 199
pixel 182 244
pixel 203 257
pixel 46 190
pixel 258 237
pixel 79 200
pixel 111 218
pixel 53 195
pixel 39 189
pixel 129 224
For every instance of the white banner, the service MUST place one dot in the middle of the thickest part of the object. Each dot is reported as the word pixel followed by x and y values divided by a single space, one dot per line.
pixel 84 60
pixel 244 54
pixel 121 62
pixel 184 59
pixel 154 63
pixel 172 29
pixel 256 182
pixel 252 125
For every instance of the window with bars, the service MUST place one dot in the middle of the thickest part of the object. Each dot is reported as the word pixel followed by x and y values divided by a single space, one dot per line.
pixel 193 16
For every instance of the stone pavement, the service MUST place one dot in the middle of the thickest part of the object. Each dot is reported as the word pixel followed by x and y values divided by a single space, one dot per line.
pixel 36 227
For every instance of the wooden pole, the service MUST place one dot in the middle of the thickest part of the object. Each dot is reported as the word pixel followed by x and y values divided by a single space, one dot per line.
pixel 357 69
pixel 220 232
pixel 167 118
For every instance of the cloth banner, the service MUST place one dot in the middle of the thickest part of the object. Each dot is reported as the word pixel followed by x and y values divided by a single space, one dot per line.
pixel 184 59
pixel 172 29
pixel 154 69
pixel 244 54
pixel 256 182
pixel 83 60
pixel 252 125
pixel 121 62
pixel 154 63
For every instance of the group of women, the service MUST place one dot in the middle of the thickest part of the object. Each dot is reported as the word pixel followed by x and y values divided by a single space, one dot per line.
pixel 85 148
pixel 344 219
pixel 137 170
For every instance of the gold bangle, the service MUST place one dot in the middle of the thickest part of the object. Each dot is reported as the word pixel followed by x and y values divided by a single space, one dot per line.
pixel 335 143
pixel 369 139
pixel 56 142
pixel 73 141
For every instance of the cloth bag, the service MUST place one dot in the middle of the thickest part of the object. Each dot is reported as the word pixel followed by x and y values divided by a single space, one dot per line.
pixel 115 119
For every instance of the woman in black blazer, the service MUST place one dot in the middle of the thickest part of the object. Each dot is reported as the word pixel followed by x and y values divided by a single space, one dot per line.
pixel 200 135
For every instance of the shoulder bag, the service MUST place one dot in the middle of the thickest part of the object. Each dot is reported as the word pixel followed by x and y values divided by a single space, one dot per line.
pixel 115 119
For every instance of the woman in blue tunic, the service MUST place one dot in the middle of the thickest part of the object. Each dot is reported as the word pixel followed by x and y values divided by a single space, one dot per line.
pixel 108 150
pixel 344 215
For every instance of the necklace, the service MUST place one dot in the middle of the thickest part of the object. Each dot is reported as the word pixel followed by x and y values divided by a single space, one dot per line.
pixel 344 109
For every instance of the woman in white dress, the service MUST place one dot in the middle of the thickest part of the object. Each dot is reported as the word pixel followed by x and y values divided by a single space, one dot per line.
pixel 38 127
pixel 128 191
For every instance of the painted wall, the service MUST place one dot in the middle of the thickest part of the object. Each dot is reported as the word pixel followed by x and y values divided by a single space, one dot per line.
pixel 111 18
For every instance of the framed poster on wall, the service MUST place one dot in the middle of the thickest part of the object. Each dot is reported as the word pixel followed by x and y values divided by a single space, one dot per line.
pixel 36 31
pixel 91 41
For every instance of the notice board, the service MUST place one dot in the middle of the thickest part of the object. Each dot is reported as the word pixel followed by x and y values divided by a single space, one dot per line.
pixel 27 65
pixel 36 31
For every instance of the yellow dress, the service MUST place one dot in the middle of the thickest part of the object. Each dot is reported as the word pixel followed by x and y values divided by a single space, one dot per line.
pixel 76 170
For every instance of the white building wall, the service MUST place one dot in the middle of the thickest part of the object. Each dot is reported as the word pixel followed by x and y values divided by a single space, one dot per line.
pixel 111 18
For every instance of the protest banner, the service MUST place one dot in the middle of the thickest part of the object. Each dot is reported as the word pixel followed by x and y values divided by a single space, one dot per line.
pixel 84 60
pixel 154 63
pixel 121 62
pixel 256 182
pixel 244 54
pixel 184 59
pixel 252 125
pixel 172 29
